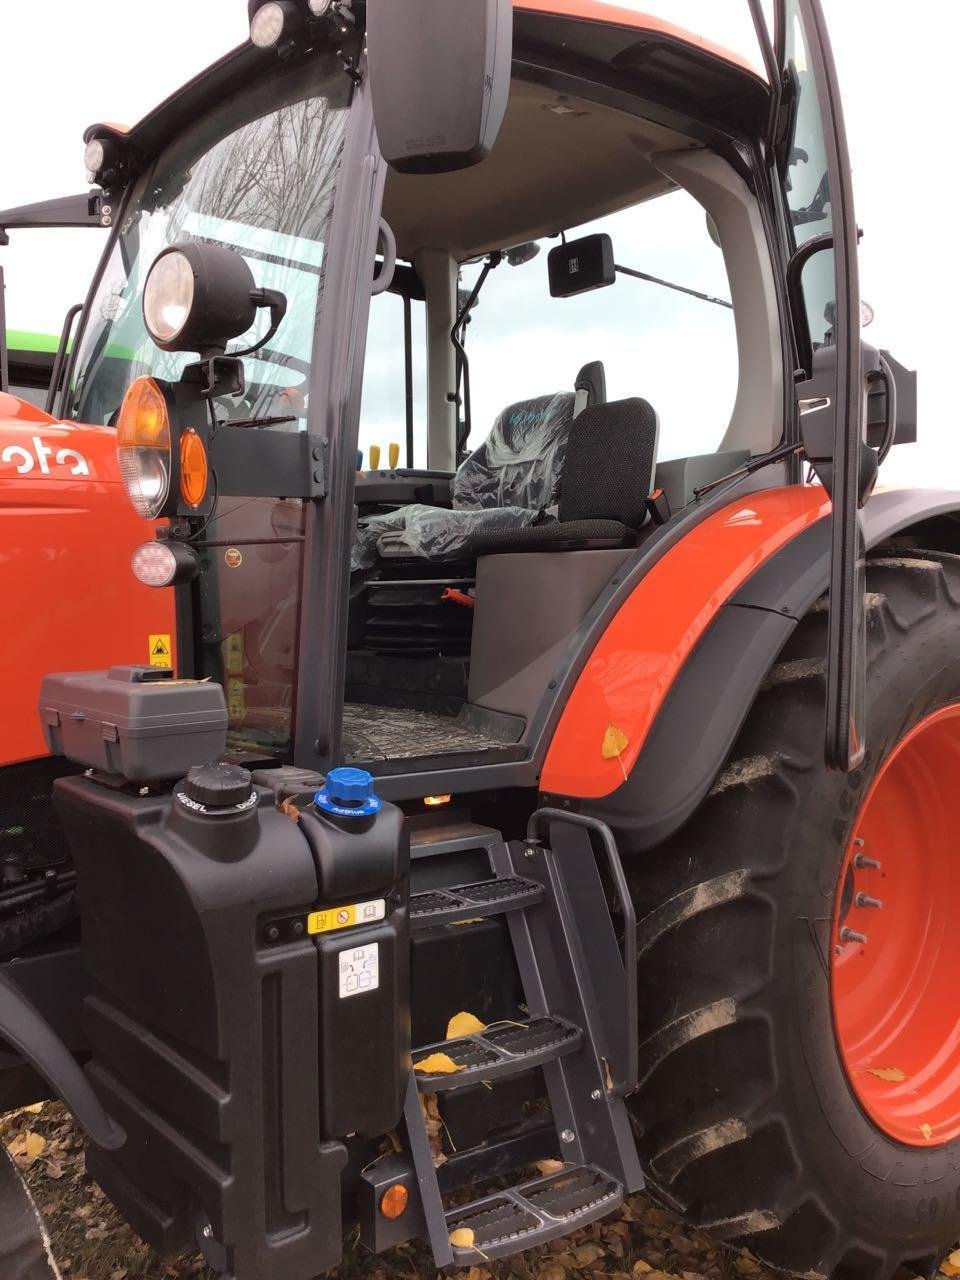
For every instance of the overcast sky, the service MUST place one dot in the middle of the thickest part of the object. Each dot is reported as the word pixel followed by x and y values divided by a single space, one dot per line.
pixel 66 64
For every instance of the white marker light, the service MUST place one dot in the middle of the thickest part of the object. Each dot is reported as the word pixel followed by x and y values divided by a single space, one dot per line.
pixel 319 7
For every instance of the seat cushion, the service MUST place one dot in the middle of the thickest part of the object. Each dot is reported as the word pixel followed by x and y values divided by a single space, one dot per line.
pixel 555 535
pixel 520 462
pixel 431 533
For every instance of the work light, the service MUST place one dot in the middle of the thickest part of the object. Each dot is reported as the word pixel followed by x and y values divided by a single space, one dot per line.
pixel 93 158
pixel 168 297
pixel 319 7
pixel 273 20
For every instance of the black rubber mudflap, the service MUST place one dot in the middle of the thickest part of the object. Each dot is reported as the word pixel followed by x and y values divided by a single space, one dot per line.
pixel 25 1252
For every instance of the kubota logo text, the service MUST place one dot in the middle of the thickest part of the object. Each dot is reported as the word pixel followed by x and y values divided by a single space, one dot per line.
pixel 24 461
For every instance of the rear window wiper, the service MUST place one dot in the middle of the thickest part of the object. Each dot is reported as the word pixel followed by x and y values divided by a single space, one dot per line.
pixel 258 422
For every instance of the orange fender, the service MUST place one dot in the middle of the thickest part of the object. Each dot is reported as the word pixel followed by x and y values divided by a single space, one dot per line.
pixel 627 676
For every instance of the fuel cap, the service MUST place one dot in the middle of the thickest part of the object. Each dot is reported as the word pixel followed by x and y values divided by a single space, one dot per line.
pixel 218 786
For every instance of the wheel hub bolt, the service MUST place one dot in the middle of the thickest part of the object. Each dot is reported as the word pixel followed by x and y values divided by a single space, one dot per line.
pixel 863 863
pixel 567 1135
pixel 851 935
pixel 864 900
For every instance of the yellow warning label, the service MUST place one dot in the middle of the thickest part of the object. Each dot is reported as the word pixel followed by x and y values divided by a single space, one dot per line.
pixel 332 918
pixel 235 654
pixel 236 700
pixel 160 651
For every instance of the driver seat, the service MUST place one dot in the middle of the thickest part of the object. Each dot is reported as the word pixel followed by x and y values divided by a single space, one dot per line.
pixel 507 483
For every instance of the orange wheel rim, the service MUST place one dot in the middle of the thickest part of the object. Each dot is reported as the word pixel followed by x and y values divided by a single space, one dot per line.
pixel 895 979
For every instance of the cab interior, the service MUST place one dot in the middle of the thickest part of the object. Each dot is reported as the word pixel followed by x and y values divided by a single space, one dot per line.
pixel 475 571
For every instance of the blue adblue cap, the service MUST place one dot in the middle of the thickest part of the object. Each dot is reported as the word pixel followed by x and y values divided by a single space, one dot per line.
pixel 349 793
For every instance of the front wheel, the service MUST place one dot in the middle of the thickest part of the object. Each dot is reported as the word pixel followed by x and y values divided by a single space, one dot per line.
pixel 800 999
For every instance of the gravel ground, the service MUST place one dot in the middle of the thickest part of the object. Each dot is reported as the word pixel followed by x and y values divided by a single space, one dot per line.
pixel 91 1242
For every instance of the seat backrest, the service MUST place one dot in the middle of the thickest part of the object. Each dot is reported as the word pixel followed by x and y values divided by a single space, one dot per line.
pixel 519 463
pixel 609 463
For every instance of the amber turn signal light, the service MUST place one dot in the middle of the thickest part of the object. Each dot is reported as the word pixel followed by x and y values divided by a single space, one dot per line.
pixel 394 1201
pixel 144 447
pixel 194 469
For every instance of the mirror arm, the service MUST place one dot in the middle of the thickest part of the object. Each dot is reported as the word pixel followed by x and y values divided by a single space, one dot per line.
pixel 801 327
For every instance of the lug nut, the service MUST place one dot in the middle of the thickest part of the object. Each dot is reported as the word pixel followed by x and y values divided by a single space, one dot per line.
pixel 851 935
pixel 597 1095
pixel 272 934
pixel 567 1135
pixel 863 863
pixel 864 900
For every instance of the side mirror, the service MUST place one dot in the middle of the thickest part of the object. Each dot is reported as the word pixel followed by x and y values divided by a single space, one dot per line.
pixel 439 79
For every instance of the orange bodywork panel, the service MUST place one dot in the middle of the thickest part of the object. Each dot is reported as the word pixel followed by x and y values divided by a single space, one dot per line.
pixel 599 11
pixel 69 599
pixel 622 687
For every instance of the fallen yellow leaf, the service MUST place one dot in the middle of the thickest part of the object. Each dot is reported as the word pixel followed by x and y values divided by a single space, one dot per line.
pixel 547 1167
pixel 927 1131
pixel 893 1074
pixel 615 742
pixel 464 1024
pixel 949 1269
pixel 462 1238
pixel 34 1109
pixel 954 1258
pixel 33 1144
pixel 438 1064
pixel 639 1267
pixel 587 1254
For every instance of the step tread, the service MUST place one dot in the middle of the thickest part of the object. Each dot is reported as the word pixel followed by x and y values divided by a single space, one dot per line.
pixel 467 901
pixel 504 1049
pixel 534 1212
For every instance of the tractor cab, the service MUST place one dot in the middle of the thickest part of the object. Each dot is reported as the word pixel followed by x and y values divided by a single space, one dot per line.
pixel 427 478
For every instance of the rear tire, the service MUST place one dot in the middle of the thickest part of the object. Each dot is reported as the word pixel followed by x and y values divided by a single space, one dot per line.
pixel 746 1120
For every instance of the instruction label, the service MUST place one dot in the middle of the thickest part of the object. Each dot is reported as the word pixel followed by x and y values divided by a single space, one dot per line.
pixel 236 700
pixel 359 970
pixel 160 651
pixel 332 918
pixel 235 654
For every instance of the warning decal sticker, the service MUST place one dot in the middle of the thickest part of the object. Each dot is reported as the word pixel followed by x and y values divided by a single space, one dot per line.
pixel 160 651
pixel 236 700
pixel 332 918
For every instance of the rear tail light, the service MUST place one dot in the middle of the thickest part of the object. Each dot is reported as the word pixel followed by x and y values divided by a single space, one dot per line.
pixel 144 449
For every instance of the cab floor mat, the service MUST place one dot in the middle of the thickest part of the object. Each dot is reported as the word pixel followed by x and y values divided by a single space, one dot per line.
pixel 397 733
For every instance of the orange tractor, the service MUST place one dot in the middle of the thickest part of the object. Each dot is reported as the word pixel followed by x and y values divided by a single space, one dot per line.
pixel 577 791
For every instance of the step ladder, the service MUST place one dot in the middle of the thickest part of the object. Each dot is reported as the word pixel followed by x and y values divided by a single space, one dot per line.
pixel 581 1031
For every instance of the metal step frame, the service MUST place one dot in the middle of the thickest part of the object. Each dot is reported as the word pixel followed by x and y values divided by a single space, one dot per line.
pixel 581 993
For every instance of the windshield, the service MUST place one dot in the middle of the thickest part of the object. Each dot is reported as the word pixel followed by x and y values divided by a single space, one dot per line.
pixel 257 175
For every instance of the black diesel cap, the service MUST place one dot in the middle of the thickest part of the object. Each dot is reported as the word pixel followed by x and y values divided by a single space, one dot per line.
pixel 218 786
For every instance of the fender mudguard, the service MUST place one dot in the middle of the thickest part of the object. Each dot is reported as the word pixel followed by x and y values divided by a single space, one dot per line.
pixel 709 698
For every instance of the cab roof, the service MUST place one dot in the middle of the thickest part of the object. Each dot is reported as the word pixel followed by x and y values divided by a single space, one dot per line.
pixel 633 52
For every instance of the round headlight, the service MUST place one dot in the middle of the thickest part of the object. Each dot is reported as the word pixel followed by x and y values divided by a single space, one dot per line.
pixel 144 447
pixel 93 158
pixel 168 296
pixel 266 27
pixel 319 7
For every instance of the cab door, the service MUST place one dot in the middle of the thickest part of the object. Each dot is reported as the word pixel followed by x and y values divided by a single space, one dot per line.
pixel 813 166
